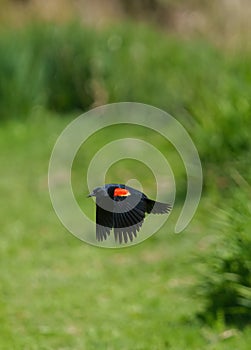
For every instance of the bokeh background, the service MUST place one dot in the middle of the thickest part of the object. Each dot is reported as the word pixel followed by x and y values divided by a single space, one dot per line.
pixel 60 58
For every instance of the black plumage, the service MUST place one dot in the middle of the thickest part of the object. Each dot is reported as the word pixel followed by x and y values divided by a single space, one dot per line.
pixel 123 208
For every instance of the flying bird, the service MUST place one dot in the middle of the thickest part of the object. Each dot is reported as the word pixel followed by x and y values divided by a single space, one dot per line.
pixel 123 209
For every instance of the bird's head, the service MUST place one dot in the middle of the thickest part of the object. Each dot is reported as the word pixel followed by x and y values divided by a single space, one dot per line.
pixel 98 192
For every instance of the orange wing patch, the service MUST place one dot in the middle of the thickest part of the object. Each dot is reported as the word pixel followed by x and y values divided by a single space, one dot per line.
pixel 121 192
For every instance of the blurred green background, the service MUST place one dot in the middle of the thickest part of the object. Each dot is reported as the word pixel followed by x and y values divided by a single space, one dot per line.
pixel 188 291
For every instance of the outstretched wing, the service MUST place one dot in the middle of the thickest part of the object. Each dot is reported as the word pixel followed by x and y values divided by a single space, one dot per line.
pixel 128 217
pixel 154 207
pixel 104 219
pixel 126 214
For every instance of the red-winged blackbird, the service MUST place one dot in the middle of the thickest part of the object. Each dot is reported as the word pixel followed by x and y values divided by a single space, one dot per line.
pixel 123 208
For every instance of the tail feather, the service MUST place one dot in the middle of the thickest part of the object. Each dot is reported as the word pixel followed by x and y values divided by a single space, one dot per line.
pixel 154 207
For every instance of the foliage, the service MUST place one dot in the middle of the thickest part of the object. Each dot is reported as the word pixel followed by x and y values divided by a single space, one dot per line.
pixel 21 78
pixel 69 67
pixel 226 285
pixel 66 58
pixel 45 66
pixel 196 83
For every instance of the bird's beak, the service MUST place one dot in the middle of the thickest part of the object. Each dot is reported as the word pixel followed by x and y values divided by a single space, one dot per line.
pixel 90 195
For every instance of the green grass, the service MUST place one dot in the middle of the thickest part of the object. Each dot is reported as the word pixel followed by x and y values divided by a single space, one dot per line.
pixel 59 293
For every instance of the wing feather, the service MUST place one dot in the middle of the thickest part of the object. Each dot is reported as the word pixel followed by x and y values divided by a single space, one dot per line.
pixel 104 219
pixel 128 217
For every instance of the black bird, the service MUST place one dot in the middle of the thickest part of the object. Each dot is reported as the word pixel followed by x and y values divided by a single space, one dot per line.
pixel 122 208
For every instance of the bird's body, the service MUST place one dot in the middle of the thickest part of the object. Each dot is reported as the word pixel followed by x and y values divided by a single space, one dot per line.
pixel 122 208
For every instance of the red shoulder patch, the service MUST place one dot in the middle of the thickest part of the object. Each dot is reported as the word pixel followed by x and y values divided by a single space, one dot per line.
pixel 121 192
